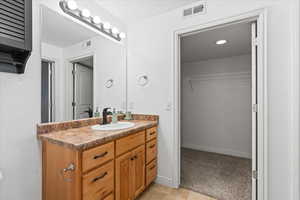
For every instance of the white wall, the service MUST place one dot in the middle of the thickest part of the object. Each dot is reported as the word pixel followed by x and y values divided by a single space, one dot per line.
pixel 20 96
pixel 19 112
pixel 216 106
pixel 151 46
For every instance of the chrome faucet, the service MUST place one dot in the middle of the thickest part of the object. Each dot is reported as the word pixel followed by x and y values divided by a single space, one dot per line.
pixel 105 112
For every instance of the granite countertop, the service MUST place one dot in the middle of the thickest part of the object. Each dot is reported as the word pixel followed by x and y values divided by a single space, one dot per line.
pixel 85 137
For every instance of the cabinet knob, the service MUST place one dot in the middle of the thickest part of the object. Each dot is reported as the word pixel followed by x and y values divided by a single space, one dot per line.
pixel 134 157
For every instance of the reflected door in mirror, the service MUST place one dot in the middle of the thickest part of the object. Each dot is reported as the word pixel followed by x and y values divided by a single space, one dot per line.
pixel 83 91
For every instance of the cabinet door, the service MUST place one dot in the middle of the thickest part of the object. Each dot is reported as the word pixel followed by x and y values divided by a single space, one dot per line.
pixel 139 170
pixel 124 174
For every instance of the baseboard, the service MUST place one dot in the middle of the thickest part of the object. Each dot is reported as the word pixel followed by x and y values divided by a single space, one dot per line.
pixel 164 181
pixel 218 150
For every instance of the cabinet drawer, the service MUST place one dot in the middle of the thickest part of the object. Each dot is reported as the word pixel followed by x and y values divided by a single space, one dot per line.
pixel 151 133
pixel 151 172
pixel 98 183
pixel 151 151
pixel 97 156
pixel 127 143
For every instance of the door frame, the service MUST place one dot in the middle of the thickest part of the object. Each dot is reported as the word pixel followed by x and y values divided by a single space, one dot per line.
pixel 52 84
pixel 262 126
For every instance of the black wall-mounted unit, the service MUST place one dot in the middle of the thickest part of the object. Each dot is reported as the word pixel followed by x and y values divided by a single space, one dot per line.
pixel 15 35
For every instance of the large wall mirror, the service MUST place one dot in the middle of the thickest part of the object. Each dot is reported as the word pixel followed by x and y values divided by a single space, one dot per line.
pixel 81 70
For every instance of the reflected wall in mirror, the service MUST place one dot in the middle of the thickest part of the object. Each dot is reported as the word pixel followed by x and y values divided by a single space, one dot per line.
pixel 76 63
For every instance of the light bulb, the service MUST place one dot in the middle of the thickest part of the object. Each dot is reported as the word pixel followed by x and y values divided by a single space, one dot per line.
pixel 115 30
pixel 85 13
pixel 106 25
pixel 221 42
pixel 96 20
pixel 72 5
pixel 122 35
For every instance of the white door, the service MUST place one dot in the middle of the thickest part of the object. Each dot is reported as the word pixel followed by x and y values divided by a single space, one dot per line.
pixel 254 111
pixel 83 91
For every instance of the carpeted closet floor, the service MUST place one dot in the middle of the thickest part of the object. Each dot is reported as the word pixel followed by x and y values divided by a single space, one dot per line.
pixel 219 176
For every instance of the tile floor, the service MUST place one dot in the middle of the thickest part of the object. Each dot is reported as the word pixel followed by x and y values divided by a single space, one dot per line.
pixel 159 192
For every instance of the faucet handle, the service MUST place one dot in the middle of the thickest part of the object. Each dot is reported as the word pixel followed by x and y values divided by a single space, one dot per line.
pixel 106 109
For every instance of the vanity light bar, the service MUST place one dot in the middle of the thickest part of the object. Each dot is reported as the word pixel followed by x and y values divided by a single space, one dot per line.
pixel 70 7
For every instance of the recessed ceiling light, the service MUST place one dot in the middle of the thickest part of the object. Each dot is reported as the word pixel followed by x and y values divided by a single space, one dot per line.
pixel 221 42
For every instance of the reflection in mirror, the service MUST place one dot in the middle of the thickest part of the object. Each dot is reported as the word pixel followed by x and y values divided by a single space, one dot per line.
pixel 76 63
pixel 47 92
pixel 82 80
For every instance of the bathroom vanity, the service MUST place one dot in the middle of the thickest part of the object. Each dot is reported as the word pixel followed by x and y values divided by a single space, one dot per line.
pixel 80 163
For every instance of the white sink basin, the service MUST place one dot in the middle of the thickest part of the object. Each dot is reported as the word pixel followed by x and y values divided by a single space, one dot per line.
pixel 111 127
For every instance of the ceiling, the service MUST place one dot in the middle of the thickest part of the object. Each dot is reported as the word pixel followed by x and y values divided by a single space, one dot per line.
pixel 61 31
pixel 130 11
pixel 133 10
pixel 202 45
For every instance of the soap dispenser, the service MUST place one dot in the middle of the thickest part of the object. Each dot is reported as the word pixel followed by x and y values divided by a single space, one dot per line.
pixel 128 115
pixel 114 118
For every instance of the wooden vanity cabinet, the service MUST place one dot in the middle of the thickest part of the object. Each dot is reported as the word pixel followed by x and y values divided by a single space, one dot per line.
pixel 118 170
pixel 57 184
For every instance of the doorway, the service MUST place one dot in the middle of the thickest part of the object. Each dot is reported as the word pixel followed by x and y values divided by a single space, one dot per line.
pixel 82 92
pixel 47 91
pixel 217 94
pixel 256 107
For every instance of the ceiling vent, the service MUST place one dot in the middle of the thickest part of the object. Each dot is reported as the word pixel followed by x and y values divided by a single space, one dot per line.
pixel 86 44
pixel 195 10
